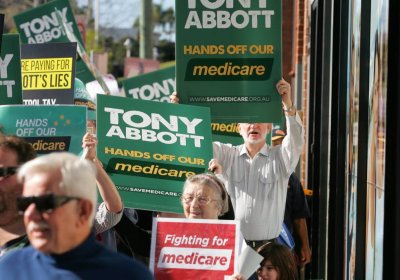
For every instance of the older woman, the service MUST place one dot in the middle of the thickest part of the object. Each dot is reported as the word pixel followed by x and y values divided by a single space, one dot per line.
pixel 204 197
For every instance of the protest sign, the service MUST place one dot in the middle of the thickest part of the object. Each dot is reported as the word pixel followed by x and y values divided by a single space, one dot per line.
pixel 10 70
pixel 48 128
pixel 194 248
pixel 40 24
pixel 55 22
pixel 85 69
pixel 95 88
pixel 150 148
pixel 82 97
pixel 156 86
pixel 48 73
pixel 235 73
pixel 226 133
pixel 159 85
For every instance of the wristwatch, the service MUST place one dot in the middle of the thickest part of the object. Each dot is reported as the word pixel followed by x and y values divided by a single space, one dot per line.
pixel 290 109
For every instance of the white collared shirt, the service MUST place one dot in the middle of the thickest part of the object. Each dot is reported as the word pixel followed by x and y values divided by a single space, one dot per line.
pixel 258 185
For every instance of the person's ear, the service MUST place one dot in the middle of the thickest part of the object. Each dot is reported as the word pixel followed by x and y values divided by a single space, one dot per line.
pixel 85 210
pixel 219 209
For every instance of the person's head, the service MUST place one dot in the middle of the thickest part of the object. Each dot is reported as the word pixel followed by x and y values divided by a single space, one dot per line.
pixel 278 263
pixel 277 137
pixel 58 201
pixel 254 133
pixel 13 152
pixel 204 197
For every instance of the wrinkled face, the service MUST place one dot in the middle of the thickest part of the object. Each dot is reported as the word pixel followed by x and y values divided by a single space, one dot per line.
pixel 268 272
pixel 9 188
pixel 55 231
pixel 201 202
pixel 254 133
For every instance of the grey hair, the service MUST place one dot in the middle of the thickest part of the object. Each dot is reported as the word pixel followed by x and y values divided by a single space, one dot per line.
pixel 78 175
pixel 208 179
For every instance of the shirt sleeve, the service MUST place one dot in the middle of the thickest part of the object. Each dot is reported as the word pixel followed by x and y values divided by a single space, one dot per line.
pixel 105 219
pixel 292 144
pixel 223 153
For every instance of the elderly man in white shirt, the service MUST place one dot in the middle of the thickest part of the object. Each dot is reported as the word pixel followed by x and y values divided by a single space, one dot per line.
pixel 257 174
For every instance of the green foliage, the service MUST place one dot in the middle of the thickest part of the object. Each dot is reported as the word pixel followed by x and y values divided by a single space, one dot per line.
pixel 166 51
pixel 91 43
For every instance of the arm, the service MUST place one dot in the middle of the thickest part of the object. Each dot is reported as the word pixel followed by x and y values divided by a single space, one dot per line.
pixel 292 144
pixel 214 166
pixel 106 187
pixel 284 91
pixel 300 228
pixel 299 213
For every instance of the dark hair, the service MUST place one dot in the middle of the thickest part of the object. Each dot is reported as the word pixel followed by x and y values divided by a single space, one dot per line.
pixel 281 257
pixel 22 149
pixel 209 179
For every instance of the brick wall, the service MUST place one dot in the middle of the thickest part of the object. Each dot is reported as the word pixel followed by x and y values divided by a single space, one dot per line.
pixel 295 51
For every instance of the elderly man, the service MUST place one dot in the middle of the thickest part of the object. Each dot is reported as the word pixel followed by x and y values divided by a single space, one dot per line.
pixel 257 174
pixel 14 151
pixel 59 203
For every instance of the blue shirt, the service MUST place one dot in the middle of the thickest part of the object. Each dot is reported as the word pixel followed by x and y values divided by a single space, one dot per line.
pixel 296 203
pixel 90 260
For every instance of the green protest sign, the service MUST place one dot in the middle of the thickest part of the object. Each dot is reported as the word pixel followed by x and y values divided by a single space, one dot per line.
pixel 228 57
pixel 82 97
pixel 55 22
pixel 155 86
pixel 226 133
pixel 150 148
pixel 159 85
pixel 10 70
pixel 48 128
pixel 48 73
pixel 85 69
pixel 40 24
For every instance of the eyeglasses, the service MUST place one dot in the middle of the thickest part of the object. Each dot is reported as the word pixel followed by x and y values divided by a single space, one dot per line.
pixel 202 200
pixel 44 203
pixel 8 171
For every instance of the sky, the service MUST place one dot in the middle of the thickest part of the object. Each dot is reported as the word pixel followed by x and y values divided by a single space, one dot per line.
pixel 121 13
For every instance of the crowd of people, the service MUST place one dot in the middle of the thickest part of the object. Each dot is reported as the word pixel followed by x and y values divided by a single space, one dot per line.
pixel 50 218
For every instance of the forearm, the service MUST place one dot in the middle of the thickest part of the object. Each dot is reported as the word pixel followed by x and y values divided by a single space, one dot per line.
pixel 107 189
pixel 292 144
pixel 301 231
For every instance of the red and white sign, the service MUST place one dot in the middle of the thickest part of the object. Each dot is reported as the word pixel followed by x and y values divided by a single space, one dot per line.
pixel 194 249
